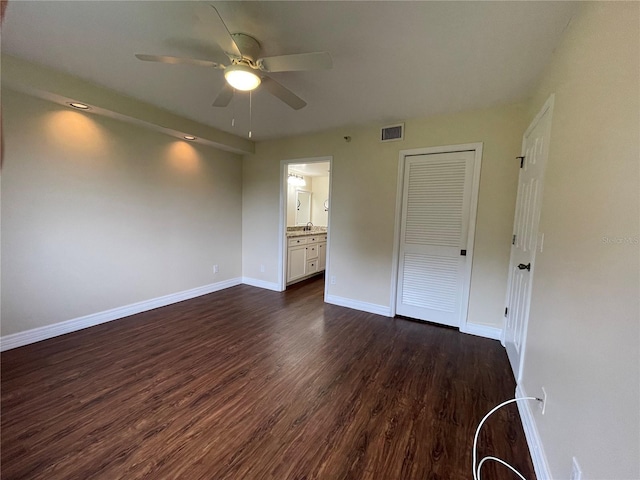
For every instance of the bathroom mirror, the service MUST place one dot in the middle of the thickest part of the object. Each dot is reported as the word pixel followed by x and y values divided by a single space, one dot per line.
pixel 303 207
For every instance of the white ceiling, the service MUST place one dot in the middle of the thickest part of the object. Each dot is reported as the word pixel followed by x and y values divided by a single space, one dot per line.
pixel 392 60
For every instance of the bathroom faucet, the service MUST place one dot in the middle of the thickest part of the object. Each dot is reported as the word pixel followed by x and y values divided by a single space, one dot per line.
pixel 309 226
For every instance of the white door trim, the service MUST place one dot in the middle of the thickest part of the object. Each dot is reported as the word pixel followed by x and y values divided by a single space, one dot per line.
pixel 282 224
pixel 475 186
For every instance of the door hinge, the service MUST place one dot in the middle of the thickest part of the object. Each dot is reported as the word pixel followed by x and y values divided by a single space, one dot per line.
pixel 521 161
pixel 506 311
pixel 513 240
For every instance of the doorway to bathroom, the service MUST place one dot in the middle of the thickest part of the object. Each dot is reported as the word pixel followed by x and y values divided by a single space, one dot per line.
pixel 305 211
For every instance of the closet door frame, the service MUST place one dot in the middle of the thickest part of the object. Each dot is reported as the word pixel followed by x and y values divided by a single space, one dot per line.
pixel 475 187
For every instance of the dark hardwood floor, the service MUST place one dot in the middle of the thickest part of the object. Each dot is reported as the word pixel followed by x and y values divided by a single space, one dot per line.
pixel 253 384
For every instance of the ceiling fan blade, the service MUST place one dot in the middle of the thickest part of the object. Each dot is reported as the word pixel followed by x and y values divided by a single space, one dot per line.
pixel 178 60
pixel 225 96
pixel 219 31
pixel 283 93
pixel 296 62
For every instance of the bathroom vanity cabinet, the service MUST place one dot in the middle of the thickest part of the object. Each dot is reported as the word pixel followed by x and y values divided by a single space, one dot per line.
pixel 306 256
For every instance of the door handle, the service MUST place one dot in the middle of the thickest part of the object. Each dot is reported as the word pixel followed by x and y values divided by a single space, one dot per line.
pixel 522 266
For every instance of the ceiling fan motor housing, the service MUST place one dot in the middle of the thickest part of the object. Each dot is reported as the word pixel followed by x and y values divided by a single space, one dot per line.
pixel 248 46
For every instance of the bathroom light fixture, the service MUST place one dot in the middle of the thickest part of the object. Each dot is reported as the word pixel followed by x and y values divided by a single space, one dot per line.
pixel 78 105
pixel 241 77
pixel 189 137
pixel 296 180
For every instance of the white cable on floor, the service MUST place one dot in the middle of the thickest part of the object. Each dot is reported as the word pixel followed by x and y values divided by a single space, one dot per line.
pixel 476 470
pixel 495 459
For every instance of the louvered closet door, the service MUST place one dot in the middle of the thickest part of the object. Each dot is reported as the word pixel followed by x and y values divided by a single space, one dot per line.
pixel 434 230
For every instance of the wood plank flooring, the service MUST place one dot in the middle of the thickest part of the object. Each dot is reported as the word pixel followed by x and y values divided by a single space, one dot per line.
pixel 253 384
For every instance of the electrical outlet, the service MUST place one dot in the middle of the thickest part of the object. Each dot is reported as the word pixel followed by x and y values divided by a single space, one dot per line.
pixel 543 404
pixel 333 279
pixel 262 268
pixel 576 472
pixel 215 269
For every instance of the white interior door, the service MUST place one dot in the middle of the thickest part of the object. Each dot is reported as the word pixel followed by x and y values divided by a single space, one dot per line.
pixel 535 149
pixel 434 231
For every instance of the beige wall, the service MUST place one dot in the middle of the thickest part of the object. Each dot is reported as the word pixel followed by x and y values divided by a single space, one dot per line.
pixel 363 201
pixel 583 340
pixel 98 214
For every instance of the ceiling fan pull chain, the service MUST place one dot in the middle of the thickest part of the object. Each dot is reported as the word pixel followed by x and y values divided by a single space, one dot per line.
pixel 233 117
pixel 250 114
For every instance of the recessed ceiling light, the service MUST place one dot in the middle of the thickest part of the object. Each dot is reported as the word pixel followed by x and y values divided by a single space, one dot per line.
pixel 189 137
pixel 79 106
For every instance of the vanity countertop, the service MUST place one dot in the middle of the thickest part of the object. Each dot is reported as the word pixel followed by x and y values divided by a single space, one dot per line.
pixel 303 233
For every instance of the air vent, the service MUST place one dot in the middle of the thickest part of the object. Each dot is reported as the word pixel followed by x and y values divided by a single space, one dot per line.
pixel 392 133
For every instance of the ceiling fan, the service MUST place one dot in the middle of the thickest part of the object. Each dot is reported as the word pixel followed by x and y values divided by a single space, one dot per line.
pixel 246 70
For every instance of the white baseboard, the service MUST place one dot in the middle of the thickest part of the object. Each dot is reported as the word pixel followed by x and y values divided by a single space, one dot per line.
pixel 254 282
pixel 485 331
pixel 357 305
pixel 534 442
pixel 49 331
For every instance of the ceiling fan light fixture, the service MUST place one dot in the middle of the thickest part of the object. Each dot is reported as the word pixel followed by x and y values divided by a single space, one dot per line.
pixel 241 77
